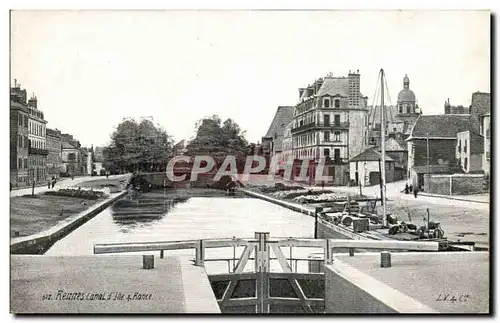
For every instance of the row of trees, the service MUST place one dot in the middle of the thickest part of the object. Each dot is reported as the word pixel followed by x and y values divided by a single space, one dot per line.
pixel 144 146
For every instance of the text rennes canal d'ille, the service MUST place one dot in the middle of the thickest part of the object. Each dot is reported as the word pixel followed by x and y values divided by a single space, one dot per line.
pixel 105 296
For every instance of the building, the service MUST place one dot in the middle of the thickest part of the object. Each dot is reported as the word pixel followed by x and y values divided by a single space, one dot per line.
pixel 480 106
pixel 486 132
pixel 329 124
pixel 365 168
pixel 397 150
pixel 470 149
pixel 71 156
pixel 432 145
pixel 99 161
pixel 399 118
pixel 19 137
pixel 54 158
pixel 276 132
pixel 179 148
pixel 455 109
pixel 37 136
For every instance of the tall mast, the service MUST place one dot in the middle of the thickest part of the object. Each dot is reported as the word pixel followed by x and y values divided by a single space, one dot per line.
pixel 382 132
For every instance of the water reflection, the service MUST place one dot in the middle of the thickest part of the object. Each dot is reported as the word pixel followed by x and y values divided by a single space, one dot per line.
pixel 141 212
pixel 197 218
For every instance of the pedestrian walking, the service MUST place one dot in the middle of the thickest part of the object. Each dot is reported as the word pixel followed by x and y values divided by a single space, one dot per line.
pixel 322 184
pixel 48 184
pixel 415 192
pixel 407 188
pixel 107 175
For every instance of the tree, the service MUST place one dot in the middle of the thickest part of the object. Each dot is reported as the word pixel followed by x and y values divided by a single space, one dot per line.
pixel 135 146
pixel 218 140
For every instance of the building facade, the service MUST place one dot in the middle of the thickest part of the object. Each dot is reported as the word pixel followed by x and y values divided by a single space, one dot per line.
pixel 38 152
pixel 71 156
pixel 399 118
pixel 432 146
pixel 486 132
pixel 273 140
pixel 365 168
pixel 469 151
pixel 455 109
pixel 19 134
pixel 329 124
pixel 54 158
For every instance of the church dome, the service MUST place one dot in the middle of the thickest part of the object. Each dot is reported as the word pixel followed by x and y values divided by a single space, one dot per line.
pixel 406 95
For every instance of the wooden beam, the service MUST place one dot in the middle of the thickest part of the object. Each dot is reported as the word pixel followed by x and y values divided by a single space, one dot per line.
pixel 281 258
pixel 308 276
pixel 385 244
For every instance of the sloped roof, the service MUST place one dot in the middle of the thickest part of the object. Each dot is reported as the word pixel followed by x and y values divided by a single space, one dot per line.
pixel 68 145
pixel 334 86
pixel 371 154
pixel 282 118
pixel 394 145
pixel 481 103
pixel 442 125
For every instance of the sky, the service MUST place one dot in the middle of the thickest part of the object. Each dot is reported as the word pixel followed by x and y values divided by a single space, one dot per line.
pixel 91 69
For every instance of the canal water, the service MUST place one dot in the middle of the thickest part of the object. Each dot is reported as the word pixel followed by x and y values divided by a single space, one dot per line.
pixel 196 218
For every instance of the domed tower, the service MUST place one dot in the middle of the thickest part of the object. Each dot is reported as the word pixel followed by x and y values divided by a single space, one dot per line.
pixel 406 99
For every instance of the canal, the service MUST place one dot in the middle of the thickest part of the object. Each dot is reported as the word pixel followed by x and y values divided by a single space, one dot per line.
pixel 196 218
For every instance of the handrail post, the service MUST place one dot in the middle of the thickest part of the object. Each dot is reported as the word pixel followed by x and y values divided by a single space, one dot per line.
pixel 328 252
pixel 200 253
pixel 261 269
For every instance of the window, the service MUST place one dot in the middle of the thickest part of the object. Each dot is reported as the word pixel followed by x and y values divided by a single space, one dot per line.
pixel 25 163
pixel 20 163
pixel 465 163
pixel 488 134
pixel 337 155
pixel 20 119
pixel 337 120
pixel 71 156
pixel 337 135
pixel 400 109
pixel 326 103
pixel 337 103
pixel 327 135
pixel 459 146
pixel 26 121
pixel 326 118
pixel 326 152
pixel 465 147
pixel 26 142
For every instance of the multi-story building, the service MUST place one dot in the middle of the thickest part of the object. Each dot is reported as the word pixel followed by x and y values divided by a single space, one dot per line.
pixel 273 140
pixel 71 155
pixel 99 160
pixel 455 109
pixel 19 144
pixel 486 132
pixel 469 151
pixel 38 152
pixel 329 123
pixel 54 158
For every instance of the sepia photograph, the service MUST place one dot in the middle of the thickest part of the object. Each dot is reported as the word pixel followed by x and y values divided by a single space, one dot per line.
pixel 316 162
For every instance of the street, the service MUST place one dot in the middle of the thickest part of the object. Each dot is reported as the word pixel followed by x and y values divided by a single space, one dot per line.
pixel 62 183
